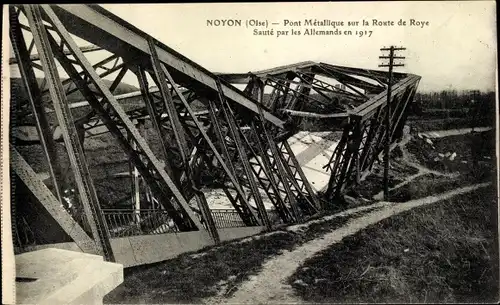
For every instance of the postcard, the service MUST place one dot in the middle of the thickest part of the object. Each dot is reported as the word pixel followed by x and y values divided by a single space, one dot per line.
pixel 250 153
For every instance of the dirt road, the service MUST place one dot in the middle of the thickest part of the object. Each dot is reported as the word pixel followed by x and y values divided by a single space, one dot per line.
pixel 269 286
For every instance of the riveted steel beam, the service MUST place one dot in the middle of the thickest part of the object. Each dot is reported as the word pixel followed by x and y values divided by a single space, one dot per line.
pixel 242 154
pixel 73 146
pixel 180 137
pixel 47 199
pixel 98 26
pixel 34 96
pixel 111 112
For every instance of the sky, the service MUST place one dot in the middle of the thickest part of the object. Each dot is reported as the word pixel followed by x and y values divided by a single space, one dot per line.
pixel 455 49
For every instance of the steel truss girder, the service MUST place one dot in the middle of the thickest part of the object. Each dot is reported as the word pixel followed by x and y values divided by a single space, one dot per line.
pixel 313 67
pixel 243 157
pixel 36 57
pixel 161 76
pixel 107 71
pixel 98 26
pixel 261 166
pixel 304 202
pixel 350 81
pixel 34 96
pixel 283 173
pixel 47 199
pixel 248 215
pixel 282 88
pixel 87 192
pixel 280 79
pixel 263 172
pixel 284 161
pixel 92 121
pixel 259 154
pixel 240 202
pixel 155 119
pixel 363 138
pixel 277 164
pixel 112 114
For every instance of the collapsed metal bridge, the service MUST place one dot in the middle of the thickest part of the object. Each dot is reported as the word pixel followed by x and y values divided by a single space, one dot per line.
pixel 198 125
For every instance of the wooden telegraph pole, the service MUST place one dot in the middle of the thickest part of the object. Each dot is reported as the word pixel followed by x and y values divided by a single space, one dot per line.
pixel 388 133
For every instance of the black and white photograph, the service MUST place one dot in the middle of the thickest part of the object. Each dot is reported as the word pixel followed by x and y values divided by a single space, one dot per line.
pixel 250 153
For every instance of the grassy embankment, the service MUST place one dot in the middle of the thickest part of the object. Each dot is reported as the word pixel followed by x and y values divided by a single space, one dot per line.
pixel 443 253
pixel 447 252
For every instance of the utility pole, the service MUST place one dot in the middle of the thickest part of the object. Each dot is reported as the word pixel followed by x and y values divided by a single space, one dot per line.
pixel 388 132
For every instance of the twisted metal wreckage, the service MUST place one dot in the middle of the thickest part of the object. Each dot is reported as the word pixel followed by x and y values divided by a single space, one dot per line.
pixel 202 124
